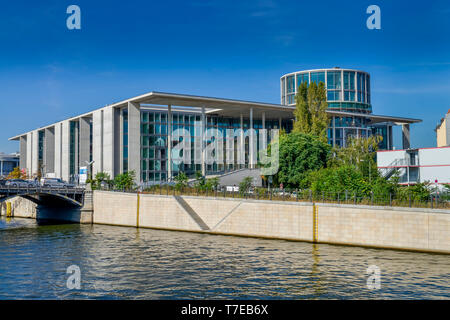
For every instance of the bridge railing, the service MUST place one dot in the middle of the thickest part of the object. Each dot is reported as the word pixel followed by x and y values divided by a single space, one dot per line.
pixel 38 189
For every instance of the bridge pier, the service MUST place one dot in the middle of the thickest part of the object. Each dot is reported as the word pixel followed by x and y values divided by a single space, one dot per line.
pixel 87 211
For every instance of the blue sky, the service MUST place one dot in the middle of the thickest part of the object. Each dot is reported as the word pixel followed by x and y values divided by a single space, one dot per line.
pixel 231 49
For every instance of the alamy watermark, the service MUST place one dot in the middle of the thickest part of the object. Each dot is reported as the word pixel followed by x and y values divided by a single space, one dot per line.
pixel 73 22
pixel 374 279
pixel 74 280
pixel 227 146
pixel 374 21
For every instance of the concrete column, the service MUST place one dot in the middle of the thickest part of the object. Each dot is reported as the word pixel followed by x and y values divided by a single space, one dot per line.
pixel 406 136
pixel 117 142
pixel 169 143
pixel 35 153
pixel 58 149
pixel 263 120
pixel 241 151
pixel 49 150
pixel 65 150
pixel 121 140
pixel 29 153
pixel 97 142
pixel 134 139
pixel 279 123
pixel 108 141
pixel 85 141
pixel 251 142
pixel 203 141
pixel 23 152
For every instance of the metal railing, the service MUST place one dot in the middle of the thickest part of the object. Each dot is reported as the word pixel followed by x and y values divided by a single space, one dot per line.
pixel 439 200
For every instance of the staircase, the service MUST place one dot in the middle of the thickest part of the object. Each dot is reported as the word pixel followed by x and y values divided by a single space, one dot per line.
pixel 394 166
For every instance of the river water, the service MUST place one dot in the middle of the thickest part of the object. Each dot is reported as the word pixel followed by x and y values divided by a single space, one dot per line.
pixel 130 263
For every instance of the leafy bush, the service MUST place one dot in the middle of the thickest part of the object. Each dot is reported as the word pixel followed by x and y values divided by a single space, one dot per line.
pixel 245 185
pixel 125 181
pixel 300 154
pixel 181 181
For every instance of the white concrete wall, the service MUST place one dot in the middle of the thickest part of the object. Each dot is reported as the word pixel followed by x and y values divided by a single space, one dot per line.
pixel 398 228
pixel 134 139
pixel 23 152
pixel 97 141
pixel 49 150
pixel 29 153
pixel 385 158
pixel 431 174
pixel 35 153
pixel 108 141
pixel 65 151
pixel 58 150
pixel 434 156
pixel 84 141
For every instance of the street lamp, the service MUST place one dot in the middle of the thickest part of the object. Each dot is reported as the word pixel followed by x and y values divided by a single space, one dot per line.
pixel 89 165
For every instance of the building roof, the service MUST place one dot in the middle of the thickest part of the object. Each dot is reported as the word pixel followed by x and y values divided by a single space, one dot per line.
pixel 224 107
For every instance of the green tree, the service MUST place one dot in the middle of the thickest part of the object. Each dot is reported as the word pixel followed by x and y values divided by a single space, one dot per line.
pixel 212 183
pixel 181 181
pixel 200 184
pixel 299 154
pixel 245 185
pixel 310 113
pixel 359 152
pixel 100 178
pixel 125 181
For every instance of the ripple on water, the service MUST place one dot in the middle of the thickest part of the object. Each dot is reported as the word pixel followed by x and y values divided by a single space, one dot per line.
pixel 129 263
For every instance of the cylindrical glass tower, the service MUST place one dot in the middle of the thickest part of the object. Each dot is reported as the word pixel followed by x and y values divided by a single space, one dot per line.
pixel 347 90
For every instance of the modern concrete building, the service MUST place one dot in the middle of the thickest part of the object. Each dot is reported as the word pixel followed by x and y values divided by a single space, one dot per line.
pixel 443 131
pixel 142 133
pixel 7 163
pixel 416 165
pixel 349 105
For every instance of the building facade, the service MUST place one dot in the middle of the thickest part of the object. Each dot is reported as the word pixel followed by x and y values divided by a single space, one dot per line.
pixel 416 165
pixel 7 163
pixel 443 131
pixel 143 133
pixel 349 95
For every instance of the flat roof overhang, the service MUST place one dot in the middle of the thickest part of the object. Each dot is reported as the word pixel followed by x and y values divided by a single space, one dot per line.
pixel 226 107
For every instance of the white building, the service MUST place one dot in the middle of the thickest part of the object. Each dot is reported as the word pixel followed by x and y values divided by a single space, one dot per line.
pixel 416 165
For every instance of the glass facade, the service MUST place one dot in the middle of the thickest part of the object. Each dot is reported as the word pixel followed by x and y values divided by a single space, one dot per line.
pixel 154 142
pixel 41 136
pixel 347 90
pixel 74 150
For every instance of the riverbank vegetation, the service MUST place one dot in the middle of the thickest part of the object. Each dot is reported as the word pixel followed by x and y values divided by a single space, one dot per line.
pixel 308 162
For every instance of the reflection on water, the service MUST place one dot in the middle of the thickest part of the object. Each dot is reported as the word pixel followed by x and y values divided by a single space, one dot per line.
pixel 129 263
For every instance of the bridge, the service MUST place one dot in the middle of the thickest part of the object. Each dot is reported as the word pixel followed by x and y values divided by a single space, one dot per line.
pixel 70 197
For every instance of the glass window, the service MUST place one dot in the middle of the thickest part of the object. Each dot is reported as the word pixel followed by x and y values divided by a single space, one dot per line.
pixel 291 84
pixel 349 80
pixel 303 77
pixel 318 77
pixel 333 95
pixel 334 80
